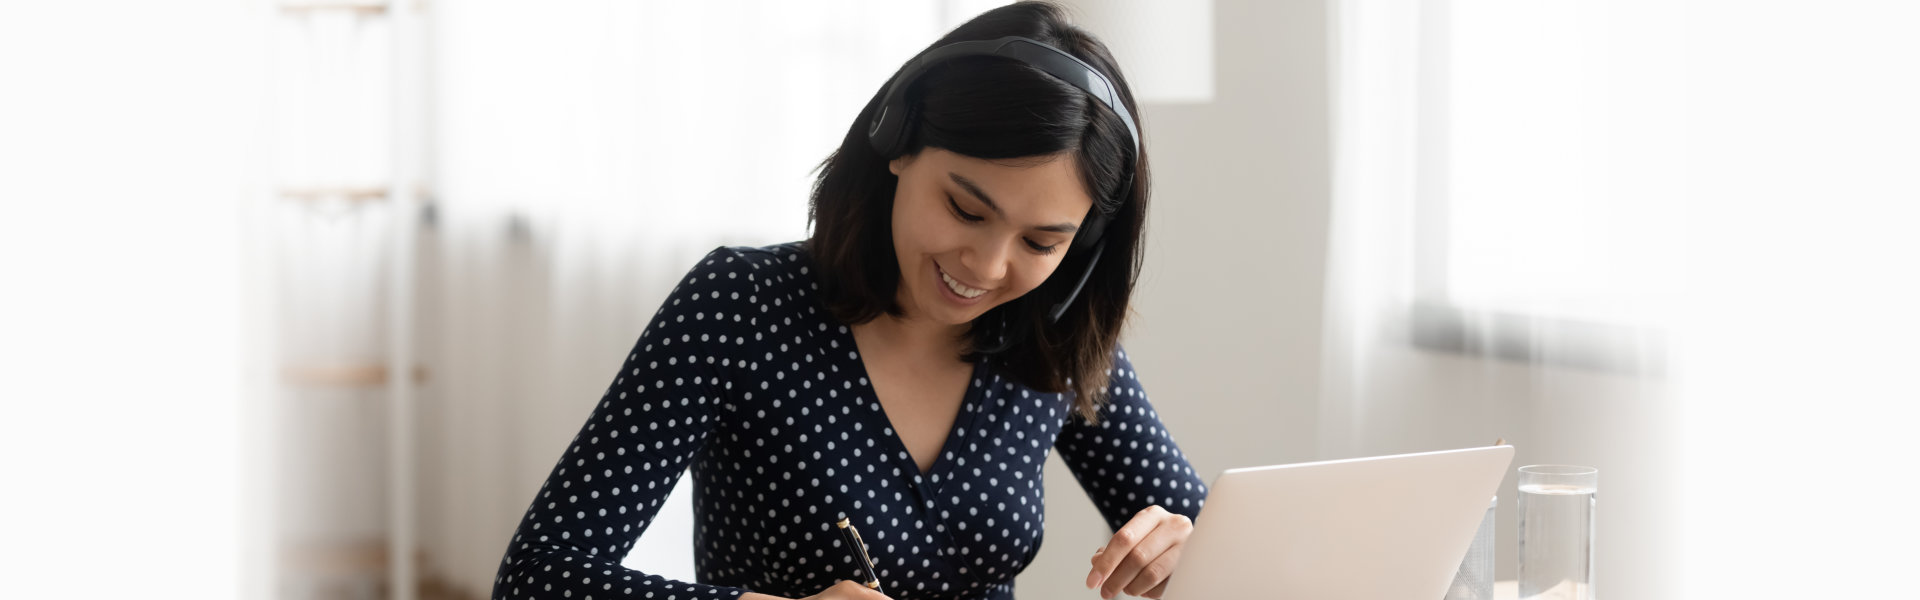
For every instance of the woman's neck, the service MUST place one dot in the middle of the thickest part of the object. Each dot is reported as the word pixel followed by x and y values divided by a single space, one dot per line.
pixel 913 337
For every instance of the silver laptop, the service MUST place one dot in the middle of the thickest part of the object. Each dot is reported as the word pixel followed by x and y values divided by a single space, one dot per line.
pixel 1380 528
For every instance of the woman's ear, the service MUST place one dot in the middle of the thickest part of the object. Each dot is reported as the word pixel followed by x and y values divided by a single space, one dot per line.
pixel 897 165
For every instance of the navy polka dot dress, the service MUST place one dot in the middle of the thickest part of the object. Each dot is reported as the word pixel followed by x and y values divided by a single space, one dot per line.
pixel 744 379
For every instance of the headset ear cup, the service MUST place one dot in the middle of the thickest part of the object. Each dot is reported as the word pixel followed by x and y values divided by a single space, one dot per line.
pixel 1094 228
pixel 1080 281
pixel 1091 230
pixel 884 133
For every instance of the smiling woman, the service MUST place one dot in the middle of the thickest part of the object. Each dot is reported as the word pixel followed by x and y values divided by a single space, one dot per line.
pixel 908 369
pixel 984 252
pixel 992 127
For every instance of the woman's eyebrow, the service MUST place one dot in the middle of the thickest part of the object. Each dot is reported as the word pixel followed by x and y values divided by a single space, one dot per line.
pixel 982 195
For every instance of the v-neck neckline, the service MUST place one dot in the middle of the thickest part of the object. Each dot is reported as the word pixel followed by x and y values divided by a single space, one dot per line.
pixel 940 473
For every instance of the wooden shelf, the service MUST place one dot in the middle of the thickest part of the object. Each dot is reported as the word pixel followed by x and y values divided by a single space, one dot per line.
pixel 364 8
pixel 370 375
pixel 348 193
pixel 338 558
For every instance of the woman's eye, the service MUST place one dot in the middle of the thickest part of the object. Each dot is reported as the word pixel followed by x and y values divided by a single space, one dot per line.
pixel 973 218
pixel 964 215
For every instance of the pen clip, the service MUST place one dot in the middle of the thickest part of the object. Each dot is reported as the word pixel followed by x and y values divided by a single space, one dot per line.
pixel 852 536
pixel 860 545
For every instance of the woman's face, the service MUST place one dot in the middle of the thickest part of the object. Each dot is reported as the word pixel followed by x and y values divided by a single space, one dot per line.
pixel 971 234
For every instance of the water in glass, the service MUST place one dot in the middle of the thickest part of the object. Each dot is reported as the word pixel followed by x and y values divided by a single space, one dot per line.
pixel 1556 541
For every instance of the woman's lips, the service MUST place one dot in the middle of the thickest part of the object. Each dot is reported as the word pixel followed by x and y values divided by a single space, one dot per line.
pixel 940 281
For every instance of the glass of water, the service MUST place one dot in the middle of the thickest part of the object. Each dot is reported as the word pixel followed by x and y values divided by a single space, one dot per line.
pixel 1556 531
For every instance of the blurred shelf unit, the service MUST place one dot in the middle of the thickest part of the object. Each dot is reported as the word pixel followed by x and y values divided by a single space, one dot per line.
pixel 353 75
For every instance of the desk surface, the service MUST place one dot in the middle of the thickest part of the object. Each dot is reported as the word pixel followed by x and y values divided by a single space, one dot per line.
pixel 1506 590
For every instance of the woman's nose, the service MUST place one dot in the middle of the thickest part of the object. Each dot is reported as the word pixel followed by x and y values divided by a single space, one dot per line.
pixel 986 261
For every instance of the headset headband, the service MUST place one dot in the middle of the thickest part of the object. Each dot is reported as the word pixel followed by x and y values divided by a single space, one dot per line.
pixel 888 135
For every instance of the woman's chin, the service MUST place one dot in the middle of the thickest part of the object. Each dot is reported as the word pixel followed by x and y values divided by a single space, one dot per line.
pixel 947 313
pixel 957 317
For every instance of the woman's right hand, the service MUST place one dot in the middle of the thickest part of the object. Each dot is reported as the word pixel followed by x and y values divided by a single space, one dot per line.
pixel 844 590
pixel 848 590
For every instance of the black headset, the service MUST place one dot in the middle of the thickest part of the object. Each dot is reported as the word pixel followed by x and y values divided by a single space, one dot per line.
pixel 888 132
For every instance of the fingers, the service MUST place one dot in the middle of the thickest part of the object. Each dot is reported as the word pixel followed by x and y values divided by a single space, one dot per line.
pixel 847 588
pixel 1142 554
pixel 863 592
pixel 1158 591
pixel 1135 566
pixel 1109 557
pixel 1155 575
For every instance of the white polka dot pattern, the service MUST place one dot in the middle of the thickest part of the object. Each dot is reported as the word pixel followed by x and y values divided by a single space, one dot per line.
pixel 743 379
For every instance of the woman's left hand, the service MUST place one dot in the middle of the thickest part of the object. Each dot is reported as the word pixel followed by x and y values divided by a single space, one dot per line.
pixel 1142 555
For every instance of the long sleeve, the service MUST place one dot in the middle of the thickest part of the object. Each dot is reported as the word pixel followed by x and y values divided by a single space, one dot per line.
pixel 674 390
pixel 1129 461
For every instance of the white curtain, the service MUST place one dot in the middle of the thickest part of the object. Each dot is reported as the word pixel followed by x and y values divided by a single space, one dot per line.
pixel 1495 252
pixel 584 154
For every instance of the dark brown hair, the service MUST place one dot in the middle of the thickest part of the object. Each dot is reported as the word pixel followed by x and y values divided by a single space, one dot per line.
pixel 996 108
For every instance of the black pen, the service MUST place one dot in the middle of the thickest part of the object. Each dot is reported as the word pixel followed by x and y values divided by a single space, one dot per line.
pixel 860 551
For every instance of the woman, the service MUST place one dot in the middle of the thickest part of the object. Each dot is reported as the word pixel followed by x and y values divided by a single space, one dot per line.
pixel 908 368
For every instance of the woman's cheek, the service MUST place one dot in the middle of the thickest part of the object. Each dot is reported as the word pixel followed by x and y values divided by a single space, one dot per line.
pixel 1026 280
pixel 937 228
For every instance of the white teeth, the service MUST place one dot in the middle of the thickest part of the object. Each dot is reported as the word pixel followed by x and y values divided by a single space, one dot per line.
pixel 959 288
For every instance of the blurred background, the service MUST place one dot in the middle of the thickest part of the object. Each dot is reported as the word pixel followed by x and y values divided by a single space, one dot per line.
pixel 304 297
